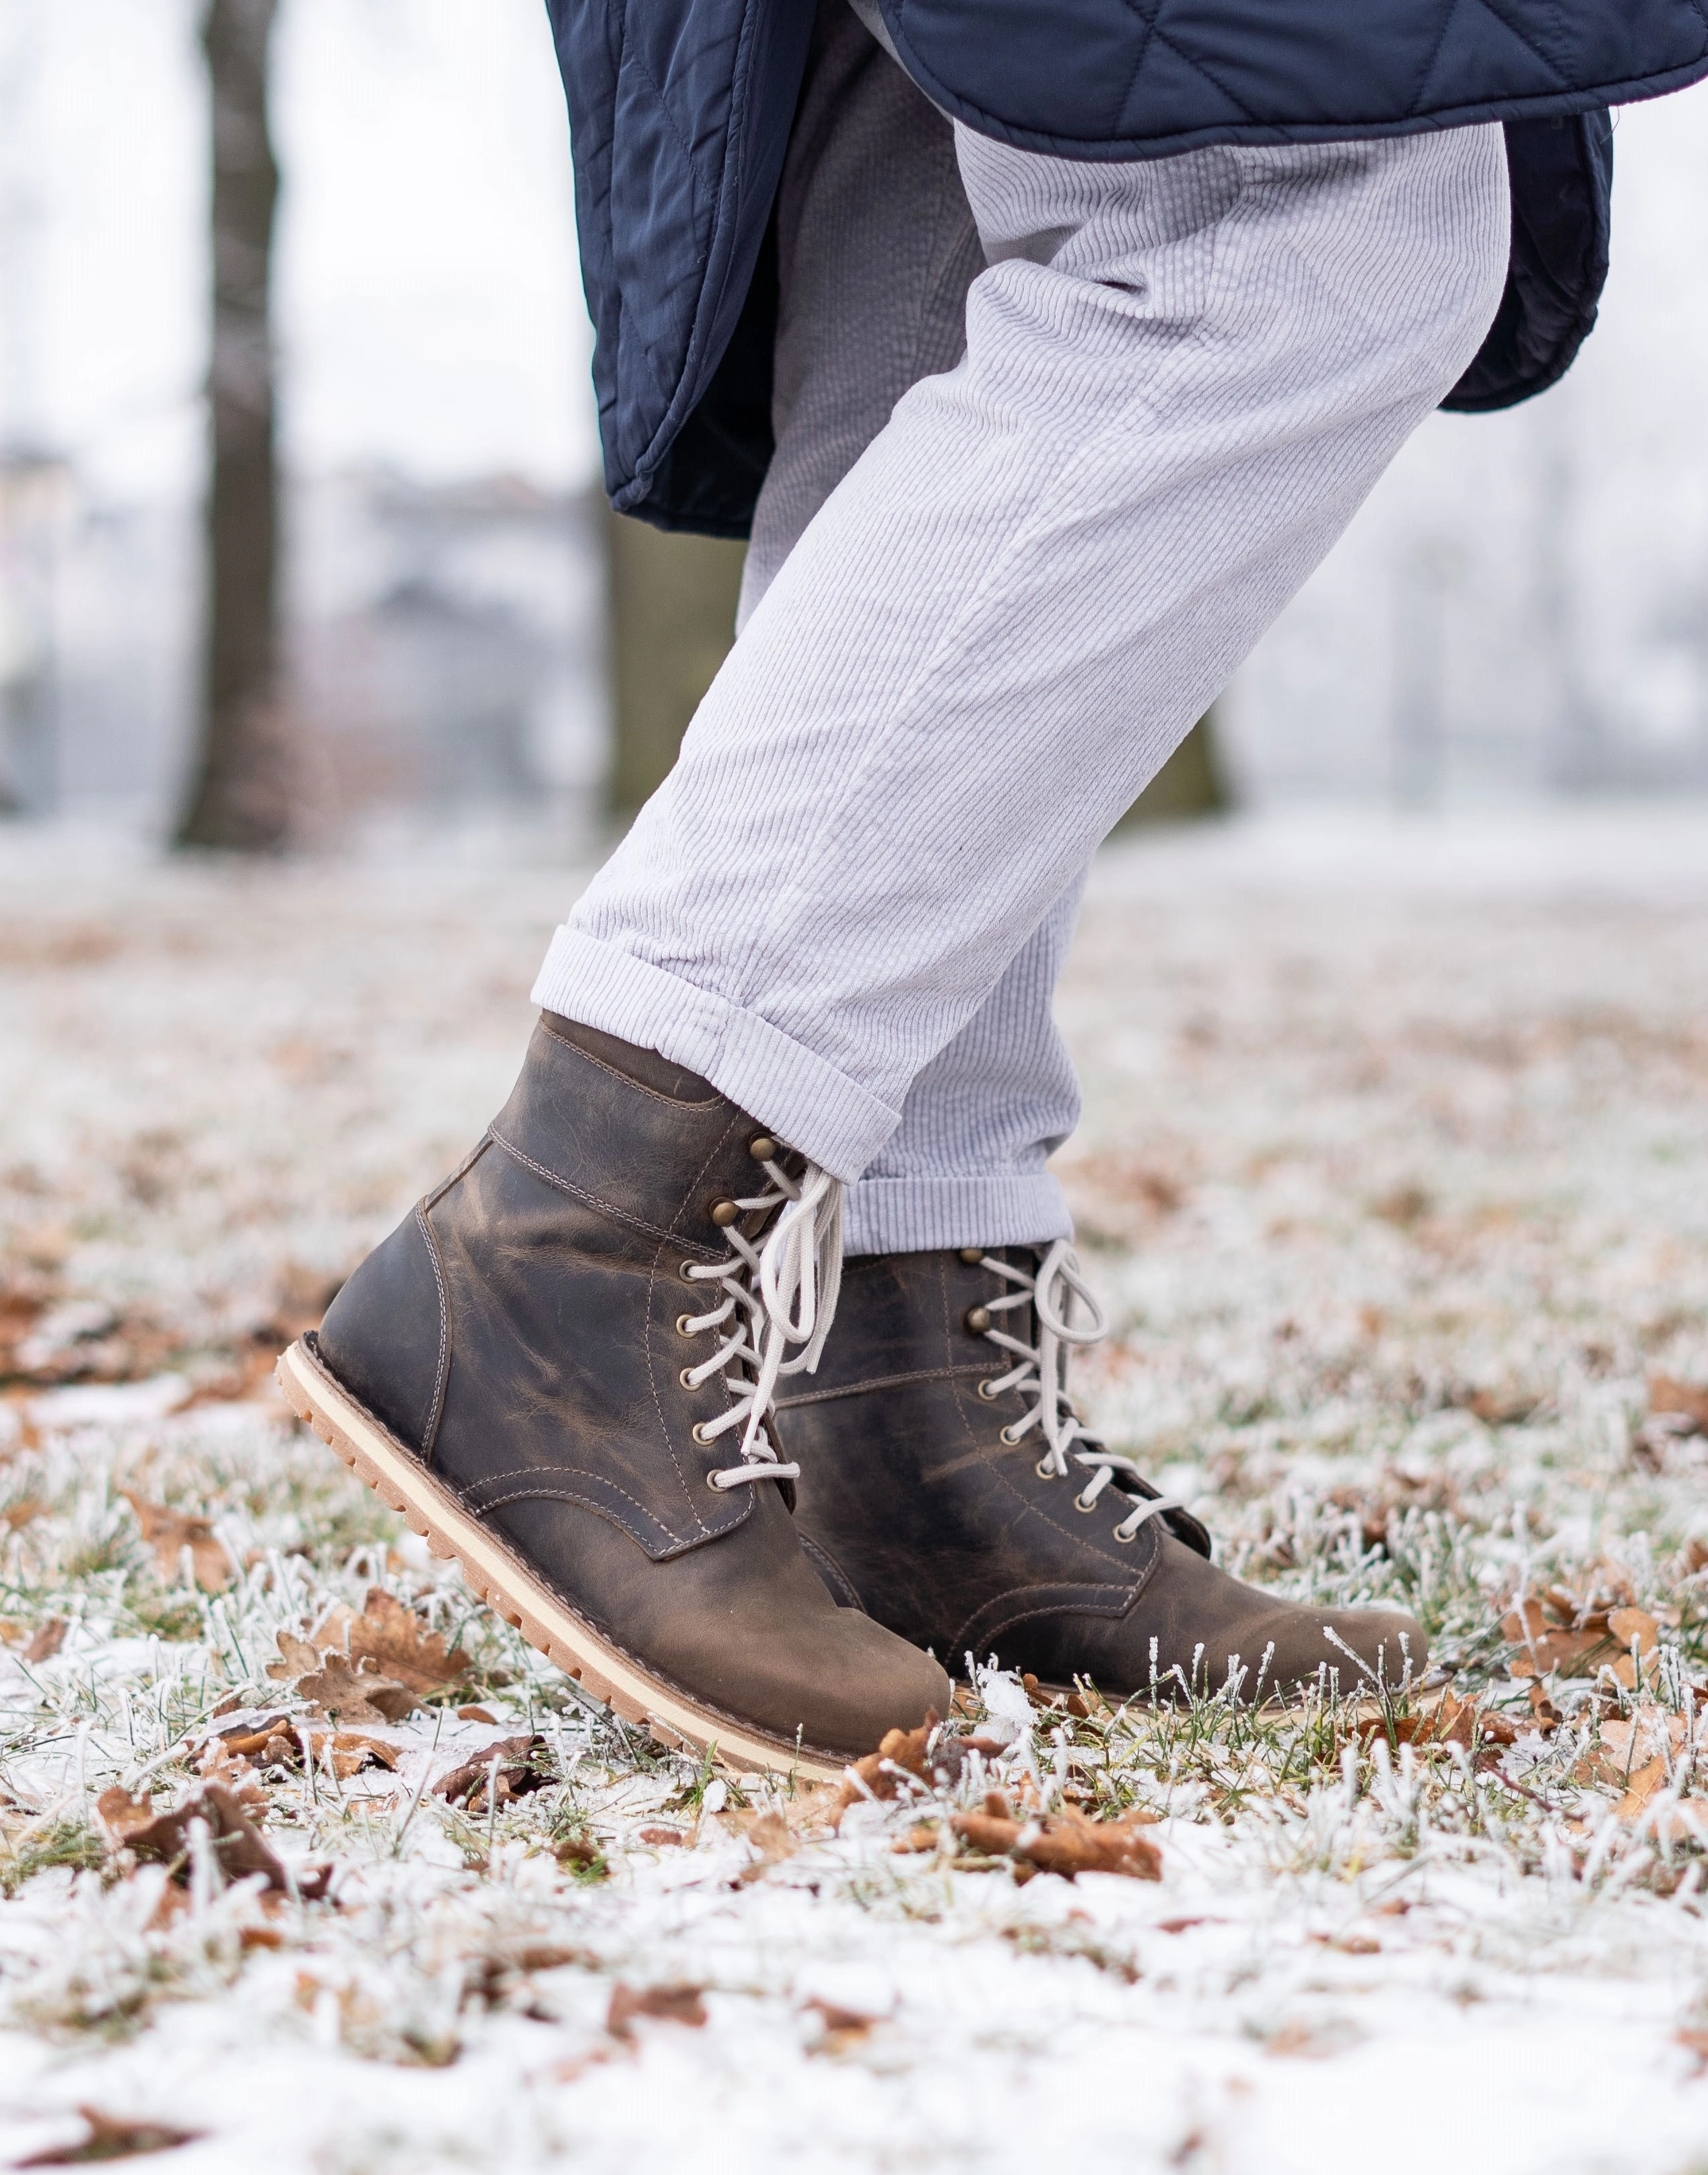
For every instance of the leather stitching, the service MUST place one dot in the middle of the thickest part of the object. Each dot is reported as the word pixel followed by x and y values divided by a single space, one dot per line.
pixel 441 1374
pixel 878 1382
pixel 592 1200
pixel 480 1500
pixel 994 1630
pixel 627 1080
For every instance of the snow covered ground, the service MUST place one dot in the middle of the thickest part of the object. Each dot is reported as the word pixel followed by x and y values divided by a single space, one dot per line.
pixel 1395 1176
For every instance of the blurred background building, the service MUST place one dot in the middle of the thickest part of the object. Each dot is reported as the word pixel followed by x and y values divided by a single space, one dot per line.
pixel 1521 609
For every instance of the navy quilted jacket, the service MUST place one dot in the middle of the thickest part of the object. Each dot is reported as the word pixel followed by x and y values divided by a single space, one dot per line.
pixel 680 112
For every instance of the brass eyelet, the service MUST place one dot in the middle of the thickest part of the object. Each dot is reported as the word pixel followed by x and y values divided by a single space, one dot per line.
pixel 1125 1539
pixel 1043 1468
pixel 1079 1504
pixel 686 1379
pixel 1009 1436
pixel 685 1326
pixel 977 1319
pixel 699 1434
pixel 684 1278
pixel 715 1484
pixel 988 1391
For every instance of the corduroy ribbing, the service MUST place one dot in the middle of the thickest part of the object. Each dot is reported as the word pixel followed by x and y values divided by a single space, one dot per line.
pixel 1182 378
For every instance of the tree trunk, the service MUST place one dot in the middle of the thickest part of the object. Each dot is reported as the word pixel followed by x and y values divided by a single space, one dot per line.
pixel 1190 784
pixel 241 792
pixel 673 618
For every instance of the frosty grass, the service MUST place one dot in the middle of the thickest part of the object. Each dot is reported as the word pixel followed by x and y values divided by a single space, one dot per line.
pixel 1395 1179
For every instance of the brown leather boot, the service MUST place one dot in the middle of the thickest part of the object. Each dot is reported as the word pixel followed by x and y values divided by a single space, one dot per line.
pixel 948 1490
pixel 558 1366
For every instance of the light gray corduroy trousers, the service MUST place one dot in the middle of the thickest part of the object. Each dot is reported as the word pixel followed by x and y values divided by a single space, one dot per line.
pixel 1055 442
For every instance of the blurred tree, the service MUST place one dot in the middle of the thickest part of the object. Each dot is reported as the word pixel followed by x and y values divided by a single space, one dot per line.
pixel 1190 784
pixel 673 619
pixel 241 794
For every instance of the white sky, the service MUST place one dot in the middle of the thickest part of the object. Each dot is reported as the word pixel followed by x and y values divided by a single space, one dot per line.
pixel 428 298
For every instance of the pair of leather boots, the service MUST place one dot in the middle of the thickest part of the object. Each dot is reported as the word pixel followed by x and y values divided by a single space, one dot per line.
pixel 593 1365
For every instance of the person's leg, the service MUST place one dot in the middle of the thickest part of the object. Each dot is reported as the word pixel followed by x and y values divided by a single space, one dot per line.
pixel 876 248
pixel 966 1164
pixel 1182 379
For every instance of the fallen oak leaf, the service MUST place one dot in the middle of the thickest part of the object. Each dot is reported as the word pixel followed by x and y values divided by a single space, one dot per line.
pixel 839 2028
pixel 394 1641
pixel 1671 1399
pixel 109 2137
pixel 1064 1842
pixel 350 1695
pixel 1548 1647
pixel 169 1532
pixel 518 1774
pixel 46 1639
pixel 296 1658
pixel 772 1843
pixel 928 1753
pixel 667 2005
pixel 238 1848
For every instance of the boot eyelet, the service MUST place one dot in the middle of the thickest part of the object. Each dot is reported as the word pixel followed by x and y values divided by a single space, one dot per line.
pixel 682 1272
pixel 685 1326
pixel 762 1148
pixel 971 1255
pixel 988 1391
pixel 715 1484
pixel 686 1379
pixel 1043 1468
pixel 699 1434
pixel 1009 1436
pixel 977 1319
pixel 1125 1539
pixel 1079 1504
pixel 724 1213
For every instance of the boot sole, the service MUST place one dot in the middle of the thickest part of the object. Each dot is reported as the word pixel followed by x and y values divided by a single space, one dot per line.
pixel 500 1577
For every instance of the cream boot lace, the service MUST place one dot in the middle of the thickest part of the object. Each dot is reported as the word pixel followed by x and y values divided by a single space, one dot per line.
pixel 780 1292
pixel 1055 1293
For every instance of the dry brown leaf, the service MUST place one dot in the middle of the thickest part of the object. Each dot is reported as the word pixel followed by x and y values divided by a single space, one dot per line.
pixel 661 1838
pixel 350 1695
pixel 770 1840
pixel 296 1658
pixel 519 1774
pixel 16 1516
pixel 169 1532
pixel 913 1752
pixel 392 1640
pixel 1644 1784
pixel 1680 1401
pixel 1635 1627
pixel 668 2005
pixel 1064 1842
pixel 46 1639
pixel 238 1848
pixel 1444 1718
pixel 839 2028
pixel 1549 1639
pixel 110 2137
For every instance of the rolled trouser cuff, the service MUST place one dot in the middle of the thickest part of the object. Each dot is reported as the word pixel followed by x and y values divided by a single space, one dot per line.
pixel 778 1081
pixel 919 1215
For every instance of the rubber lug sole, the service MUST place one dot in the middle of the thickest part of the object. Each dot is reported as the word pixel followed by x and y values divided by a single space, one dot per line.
pixel 499 1576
